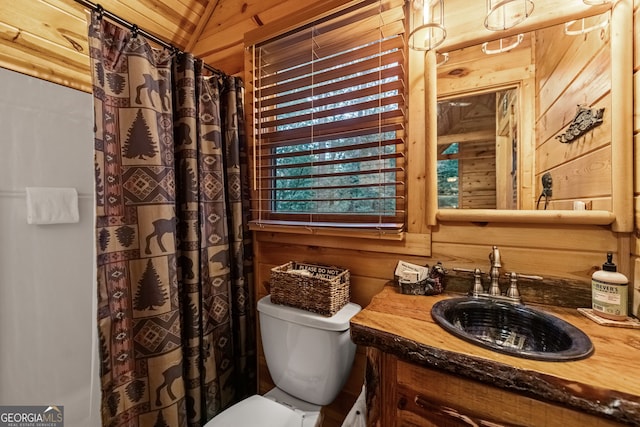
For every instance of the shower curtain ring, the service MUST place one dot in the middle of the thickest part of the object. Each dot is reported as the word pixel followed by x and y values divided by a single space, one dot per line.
pixel 176 52
pixel 134 31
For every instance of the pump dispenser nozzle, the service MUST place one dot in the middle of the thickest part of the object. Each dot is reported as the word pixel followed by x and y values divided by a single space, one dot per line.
pixel 609 265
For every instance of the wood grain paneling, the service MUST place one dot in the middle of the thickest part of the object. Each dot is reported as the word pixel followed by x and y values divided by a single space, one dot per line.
pixel 436 399
pixel 477 169
pixel 48 38
pixel 574 70
pixel 635 296
pixel 470 69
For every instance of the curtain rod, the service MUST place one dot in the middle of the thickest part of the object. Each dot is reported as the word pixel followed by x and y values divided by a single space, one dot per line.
pixel 137 30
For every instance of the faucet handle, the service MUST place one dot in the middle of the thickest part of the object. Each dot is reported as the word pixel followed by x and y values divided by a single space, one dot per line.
pixel 477 279
pixel 523 276
pixel 512 291
pixel 468 270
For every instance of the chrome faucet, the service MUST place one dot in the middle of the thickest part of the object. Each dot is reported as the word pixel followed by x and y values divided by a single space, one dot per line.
pixel 494 271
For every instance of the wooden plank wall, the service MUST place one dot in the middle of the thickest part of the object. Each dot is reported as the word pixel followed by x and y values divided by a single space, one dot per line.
pixel 575 70
pixel 636 144
pixel 477 171
pixel 507 177
pixel 553 251
pixel 560 253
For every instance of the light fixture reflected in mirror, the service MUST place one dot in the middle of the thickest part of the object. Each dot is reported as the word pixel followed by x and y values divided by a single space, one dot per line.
pixel 505 14
pixel 580 26
pixel 442 58
pixel 427 24
pixel 502 45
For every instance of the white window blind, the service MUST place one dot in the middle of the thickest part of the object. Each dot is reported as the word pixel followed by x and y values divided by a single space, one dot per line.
pixel 328 105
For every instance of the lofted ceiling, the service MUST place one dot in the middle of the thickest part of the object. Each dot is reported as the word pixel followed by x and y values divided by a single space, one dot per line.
pixel 48 38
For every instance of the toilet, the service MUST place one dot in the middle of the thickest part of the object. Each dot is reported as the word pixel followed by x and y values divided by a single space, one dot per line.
pixel 309 357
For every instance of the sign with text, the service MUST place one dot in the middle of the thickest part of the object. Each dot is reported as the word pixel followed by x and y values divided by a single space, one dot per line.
pixel 31 416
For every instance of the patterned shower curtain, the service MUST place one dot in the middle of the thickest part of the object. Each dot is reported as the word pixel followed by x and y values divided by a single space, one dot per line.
pixel 175 302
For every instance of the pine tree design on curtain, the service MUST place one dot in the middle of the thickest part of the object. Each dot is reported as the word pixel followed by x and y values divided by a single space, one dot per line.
pixel 172 241
pixel 139 142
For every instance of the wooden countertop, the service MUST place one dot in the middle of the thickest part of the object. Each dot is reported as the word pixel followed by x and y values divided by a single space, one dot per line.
pixel 606 383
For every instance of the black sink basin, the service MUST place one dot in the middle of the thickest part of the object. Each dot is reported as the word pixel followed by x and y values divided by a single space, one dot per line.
pixel 513 329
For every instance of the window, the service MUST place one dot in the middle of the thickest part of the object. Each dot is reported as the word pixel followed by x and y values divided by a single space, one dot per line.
pixel 448 178
pixel 328 103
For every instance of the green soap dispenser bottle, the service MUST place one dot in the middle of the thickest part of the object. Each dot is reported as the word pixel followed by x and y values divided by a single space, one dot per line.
pixel 609 291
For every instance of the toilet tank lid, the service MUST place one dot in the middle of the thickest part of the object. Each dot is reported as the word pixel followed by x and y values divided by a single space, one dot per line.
pixel 337 322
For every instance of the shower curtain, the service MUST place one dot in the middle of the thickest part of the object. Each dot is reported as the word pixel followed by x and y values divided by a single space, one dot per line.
pixel 175 301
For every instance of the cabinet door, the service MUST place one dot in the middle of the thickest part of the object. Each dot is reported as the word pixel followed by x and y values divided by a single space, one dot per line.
pixel 427 397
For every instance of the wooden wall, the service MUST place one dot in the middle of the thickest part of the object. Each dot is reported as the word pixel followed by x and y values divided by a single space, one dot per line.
pixel 572 70
pixel 477 171
pixel 563 252
pixel 636 145
pixel 566 255
pixel 48 38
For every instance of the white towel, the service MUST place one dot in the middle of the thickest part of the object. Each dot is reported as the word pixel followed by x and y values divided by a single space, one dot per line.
pixel 357 416
pixel 50 205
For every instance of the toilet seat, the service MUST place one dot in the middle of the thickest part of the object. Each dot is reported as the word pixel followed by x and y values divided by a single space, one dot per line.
pixel 258 411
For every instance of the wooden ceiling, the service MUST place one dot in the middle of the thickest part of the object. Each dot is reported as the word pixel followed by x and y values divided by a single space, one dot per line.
pixel 48 38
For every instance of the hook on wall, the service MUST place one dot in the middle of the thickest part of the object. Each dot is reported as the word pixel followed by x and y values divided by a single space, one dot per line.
pixel 547 190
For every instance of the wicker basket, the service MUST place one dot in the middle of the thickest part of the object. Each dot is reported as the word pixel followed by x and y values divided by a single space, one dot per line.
pixel 323 290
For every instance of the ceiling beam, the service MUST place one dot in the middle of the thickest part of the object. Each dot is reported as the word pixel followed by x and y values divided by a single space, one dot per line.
pixel 477 136
pixel 202 24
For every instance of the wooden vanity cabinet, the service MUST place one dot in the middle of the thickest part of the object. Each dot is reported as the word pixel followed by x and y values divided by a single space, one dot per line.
pixel 405 394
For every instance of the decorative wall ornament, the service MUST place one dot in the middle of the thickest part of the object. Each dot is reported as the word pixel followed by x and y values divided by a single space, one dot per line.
pixel 585 120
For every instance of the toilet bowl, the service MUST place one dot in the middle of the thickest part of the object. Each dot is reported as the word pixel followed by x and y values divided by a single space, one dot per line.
pixel 274 409
pixel 309 357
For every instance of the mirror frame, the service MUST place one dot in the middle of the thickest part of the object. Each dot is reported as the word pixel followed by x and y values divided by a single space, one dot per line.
pixel 621 218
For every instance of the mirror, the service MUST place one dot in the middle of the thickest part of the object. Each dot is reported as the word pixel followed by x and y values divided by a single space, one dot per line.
pixel 490 156
pixel 595 170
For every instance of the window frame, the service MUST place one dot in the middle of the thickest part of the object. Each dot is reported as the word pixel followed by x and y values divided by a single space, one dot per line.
pixel 261 200
pixel 417 172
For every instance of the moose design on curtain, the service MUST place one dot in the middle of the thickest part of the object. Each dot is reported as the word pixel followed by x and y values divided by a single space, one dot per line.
pixel 175 319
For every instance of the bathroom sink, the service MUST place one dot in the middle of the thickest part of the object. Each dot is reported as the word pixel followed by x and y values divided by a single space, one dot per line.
pixel 513 329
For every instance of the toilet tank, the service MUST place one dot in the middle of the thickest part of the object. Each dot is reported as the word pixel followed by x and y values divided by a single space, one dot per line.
pixel 308 355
